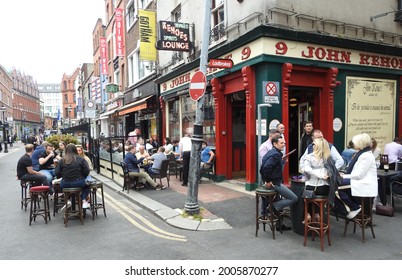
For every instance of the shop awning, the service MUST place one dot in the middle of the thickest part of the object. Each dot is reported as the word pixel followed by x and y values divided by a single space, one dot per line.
pixel 78 128
pixel 134 106
pixel 106 115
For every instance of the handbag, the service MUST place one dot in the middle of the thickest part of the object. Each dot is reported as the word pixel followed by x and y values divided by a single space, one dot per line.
pixel 384 210
pixel 308 193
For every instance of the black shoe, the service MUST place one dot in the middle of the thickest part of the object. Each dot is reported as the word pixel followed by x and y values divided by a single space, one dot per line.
pixel 184 184
pixel 283 227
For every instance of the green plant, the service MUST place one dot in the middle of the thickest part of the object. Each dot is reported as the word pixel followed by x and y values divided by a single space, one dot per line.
pixel 197 217
pixel 57 138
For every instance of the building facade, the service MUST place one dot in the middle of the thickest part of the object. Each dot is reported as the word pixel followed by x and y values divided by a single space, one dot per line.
pixel 51 96
pixel 292 62
pixel 69 87
pixel 26 105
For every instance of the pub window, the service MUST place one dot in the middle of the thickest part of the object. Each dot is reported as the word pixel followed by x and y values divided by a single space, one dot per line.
pixel 174 120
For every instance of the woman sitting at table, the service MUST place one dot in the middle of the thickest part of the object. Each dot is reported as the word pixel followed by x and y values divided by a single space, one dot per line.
pixel 81 153
pixel 315 172
pixel 362 172
pixel 73 170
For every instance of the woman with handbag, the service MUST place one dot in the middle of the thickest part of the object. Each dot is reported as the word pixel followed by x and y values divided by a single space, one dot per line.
pixel 315 172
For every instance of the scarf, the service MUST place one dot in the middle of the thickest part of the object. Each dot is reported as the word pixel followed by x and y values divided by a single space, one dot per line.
pixel 355 158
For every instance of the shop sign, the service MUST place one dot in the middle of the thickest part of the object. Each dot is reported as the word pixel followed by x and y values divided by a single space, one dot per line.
pixel 220 63
pixel 112 88
pixel 174 36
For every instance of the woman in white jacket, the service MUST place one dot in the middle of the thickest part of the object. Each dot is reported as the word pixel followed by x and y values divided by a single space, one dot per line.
pixel 363 176
pixel 314 170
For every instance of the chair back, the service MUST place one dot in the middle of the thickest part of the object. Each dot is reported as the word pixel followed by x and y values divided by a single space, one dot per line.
pixel 164 168
pixel 124 167
pixel 398 165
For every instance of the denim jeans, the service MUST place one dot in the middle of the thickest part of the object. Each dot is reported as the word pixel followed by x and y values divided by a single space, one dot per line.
pixel 49 173
pixel 288 197
pixel 76 184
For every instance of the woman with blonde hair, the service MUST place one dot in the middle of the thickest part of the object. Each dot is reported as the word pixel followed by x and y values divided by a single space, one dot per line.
pixel 315 171
pixel 362 172
pixel 80 151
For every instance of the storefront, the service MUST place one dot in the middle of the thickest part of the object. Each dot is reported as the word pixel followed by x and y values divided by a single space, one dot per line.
pixel 141 110
pixel 342 91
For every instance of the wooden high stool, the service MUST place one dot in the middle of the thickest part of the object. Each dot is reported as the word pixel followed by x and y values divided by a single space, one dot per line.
pixel 364 218
pixel 25 185
pixel 95 205
pixel 37 193
pixel 320 227
pixel 58 202
pixel 268 218
pixel 72 212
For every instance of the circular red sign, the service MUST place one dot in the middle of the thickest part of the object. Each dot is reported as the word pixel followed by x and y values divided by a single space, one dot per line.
pixel 270 88
pixel 198 84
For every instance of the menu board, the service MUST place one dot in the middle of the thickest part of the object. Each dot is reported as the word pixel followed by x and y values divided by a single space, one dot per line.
pixel 370 108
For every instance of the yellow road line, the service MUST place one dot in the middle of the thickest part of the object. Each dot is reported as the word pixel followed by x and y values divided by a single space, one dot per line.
pixel 126 212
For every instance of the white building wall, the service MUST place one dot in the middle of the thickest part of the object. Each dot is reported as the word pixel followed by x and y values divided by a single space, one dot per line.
pixel 341 18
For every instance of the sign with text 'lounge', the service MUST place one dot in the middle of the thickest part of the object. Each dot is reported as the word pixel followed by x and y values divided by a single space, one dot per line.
pixel 174 36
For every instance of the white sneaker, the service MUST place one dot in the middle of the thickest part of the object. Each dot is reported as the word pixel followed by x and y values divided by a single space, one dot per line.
pixel 86 205
pixel 64 206
pixel 353 213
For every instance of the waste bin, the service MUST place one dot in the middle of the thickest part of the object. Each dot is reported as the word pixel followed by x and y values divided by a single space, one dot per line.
pixel 297 209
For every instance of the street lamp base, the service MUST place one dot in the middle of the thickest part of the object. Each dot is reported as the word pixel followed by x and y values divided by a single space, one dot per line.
pixel 192 208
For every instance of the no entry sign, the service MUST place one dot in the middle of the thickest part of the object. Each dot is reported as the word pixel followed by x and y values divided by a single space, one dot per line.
pixel 198 83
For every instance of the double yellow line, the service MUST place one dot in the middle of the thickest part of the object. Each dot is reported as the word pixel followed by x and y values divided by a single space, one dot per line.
pixel 149 227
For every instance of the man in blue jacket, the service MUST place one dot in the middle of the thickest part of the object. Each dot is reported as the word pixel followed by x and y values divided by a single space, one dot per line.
pixel 271 173
pixel 36 155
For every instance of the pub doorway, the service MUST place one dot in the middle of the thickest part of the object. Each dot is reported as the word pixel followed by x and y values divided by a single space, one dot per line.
pixel 237 144
pixel 303 106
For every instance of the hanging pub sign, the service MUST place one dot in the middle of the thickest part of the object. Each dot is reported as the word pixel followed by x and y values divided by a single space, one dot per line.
pixel 174 36
pixel 111 88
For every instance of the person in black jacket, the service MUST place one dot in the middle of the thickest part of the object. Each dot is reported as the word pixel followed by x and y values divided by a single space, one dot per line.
pixel 73 170
pixel 271 173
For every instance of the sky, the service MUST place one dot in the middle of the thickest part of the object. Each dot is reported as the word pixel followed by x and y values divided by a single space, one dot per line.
pixel 47 38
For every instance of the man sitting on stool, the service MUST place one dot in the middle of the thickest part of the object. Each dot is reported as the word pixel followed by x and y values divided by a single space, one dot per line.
pixel 25 171
pixel 271 173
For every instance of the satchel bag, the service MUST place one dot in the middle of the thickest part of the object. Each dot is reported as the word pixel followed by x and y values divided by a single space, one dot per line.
pixel 385 210
pixel 308 193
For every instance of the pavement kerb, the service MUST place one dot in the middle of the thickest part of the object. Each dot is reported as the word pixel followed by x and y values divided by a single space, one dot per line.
pixel 167 214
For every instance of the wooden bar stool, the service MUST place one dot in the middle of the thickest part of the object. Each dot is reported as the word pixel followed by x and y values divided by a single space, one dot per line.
pixel 320 227
pixel 37 193
pixel 73 194
pixel 364 218
pixel 58 202
pixel 268 218
pixel 95 205
pixel 25 185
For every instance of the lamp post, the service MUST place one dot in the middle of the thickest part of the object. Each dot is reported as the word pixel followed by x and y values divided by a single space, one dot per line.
pixel 69 108
pixel 3 109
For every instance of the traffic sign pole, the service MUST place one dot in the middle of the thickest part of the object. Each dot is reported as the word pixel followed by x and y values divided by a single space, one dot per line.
pixel 191 206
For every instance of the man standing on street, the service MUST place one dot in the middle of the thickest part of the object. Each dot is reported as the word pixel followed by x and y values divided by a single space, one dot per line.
pixel 185 153
pixel 271 173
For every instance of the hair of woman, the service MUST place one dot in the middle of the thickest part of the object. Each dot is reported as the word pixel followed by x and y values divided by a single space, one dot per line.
pixel 70 154
pixel 321 149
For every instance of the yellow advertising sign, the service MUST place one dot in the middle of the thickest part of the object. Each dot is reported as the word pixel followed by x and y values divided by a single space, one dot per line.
pixel 147 25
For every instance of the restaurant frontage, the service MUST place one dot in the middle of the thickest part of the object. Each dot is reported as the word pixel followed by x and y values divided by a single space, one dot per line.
pixel 344 87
